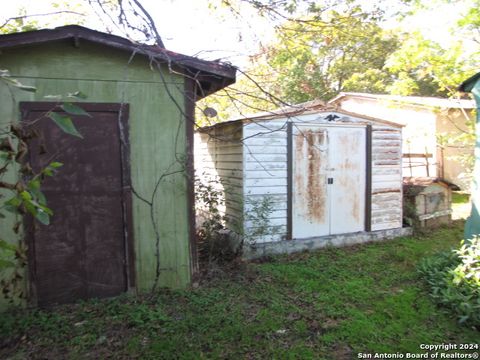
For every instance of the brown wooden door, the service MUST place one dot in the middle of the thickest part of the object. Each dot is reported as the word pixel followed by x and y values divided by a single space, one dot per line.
pixel 85 251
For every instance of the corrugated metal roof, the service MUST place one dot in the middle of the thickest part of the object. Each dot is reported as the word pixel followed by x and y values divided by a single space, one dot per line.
pixel 432 102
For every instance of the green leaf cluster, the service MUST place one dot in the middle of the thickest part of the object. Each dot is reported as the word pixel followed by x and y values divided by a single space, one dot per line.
pixel 318 58
pixel 425 68
pixel 31 199
pixel 26 196
pixel 453 278
pixel 7 252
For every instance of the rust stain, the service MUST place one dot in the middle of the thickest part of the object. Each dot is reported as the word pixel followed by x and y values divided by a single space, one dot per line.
pixel 355 209
pixel 299 159
pixel 349 145
pixel 320 138
pixel 310 186
pixel 315 187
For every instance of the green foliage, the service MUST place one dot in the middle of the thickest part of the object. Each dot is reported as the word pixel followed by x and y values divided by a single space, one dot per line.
pixel 323 48
pixel 19 24
pixel 7 252
pixel 210 200
pixel 73 109
pixel 467 273
pixel 370 81
pixel 339 47
pixel 454 281
pixel 471 20
pixel 65 123
pixel 258 218
pixel 221 237
pixel 423 67
pixel 23 195
pixel 210 207
pixel 460 198
pixel 315 58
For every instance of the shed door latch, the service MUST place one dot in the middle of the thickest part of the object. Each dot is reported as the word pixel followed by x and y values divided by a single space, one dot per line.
pixel 329 181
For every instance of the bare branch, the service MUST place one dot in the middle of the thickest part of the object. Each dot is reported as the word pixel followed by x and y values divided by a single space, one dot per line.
pixel 151 24
pixel 39 15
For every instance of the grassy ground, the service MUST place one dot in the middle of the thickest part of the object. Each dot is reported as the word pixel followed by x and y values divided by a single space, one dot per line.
pixel 460 205
pixel 329 304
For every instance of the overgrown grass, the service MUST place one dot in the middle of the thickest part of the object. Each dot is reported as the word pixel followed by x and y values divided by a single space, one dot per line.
pixel 460 198
pixel 329 304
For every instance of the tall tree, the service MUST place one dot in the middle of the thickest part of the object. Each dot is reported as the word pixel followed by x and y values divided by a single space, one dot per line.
pixel 320 57
pixel 423 67
pixel 314 56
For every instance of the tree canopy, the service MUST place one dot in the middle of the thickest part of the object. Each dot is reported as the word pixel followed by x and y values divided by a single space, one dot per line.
pixel 321 49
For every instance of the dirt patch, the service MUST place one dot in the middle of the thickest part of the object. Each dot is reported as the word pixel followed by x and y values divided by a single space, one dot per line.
pixel 341 352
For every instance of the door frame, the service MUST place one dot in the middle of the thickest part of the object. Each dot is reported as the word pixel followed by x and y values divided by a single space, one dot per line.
pixel 128 231
pixel 368 172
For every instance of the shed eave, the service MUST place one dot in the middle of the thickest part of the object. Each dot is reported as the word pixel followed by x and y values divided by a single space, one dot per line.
pixel 298 112
pixel 218 75
pixel 427 181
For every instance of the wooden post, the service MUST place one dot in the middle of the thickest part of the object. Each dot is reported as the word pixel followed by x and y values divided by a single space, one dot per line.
pixel 426 162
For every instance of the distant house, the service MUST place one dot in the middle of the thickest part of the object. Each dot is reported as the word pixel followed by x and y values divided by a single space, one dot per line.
pixel 431 127
pixel 116 227
pixel 334 177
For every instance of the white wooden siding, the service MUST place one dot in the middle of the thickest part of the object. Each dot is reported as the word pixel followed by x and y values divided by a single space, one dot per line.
pixel 219 156
pixel 386 177
pixel 265 175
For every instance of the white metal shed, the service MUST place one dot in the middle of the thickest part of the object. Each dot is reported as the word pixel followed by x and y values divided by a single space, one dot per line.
pixel 334 177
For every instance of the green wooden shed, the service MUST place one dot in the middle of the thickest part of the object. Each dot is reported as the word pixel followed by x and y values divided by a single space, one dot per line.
pixel 123 200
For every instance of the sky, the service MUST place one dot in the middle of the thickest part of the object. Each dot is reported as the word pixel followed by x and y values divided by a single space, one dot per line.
pixel 192 28
pixel 186 26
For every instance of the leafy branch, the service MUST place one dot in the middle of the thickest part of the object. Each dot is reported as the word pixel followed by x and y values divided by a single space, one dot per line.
pixel 26 196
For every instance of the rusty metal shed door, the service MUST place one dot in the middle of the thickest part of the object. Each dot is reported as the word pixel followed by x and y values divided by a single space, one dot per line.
pixel 83 252
pixel 329 176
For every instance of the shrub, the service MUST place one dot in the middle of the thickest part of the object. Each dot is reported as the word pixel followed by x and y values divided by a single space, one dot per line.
pixel 259 218
pixel 217 235
pixel 454 281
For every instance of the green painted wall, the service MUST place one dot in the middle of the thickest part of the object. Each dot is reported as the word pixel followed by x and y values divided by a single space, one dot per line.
pixel 157 137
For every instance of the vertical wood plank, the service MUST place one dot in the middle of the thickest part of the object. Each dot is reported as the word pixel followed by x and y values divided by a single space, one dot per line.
pixel 289 180
pixel 368 180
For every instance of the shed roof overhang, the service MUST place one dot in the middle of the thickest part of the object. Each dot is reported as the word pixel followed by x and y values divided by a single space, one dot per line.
pixel 211 76
pixel 427 181
pixel 292 112
pixel 467 85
